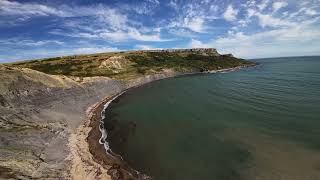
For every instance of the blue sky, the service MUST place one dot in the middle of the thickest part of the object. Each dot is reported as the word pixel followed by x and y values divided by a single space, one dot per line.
pixel 247 29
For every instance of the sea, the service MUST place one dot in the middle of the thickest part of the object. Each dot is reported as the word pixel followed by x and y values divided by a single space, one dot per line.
pixel 260 122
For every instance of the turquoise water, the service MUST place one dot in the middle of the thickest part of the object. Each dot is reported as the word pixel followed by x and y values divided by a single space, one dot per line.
pixel 257 122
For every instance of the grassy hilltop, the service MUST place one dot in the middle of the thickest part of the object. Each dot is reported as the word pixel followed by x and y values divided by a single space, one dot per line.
pixel 132 64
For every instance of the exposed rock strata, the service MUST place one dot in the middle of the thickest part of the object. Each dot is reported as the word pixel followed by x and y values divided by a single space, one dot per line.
pixel 39 112
pixel 42 133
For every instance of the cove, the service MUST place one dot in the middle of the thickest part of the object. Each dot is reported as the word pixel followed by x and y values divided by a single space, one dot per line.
pixel 260 122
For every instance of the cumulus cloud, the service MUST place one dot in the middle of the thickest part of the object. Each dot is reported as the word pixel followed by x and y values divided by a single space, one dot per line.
pixel 193 16
pixel 230 14
pixel 195 24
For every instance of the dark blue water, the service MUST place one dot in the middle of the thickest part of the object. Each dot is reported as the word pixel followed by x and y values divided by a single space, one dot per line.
pixel 256 123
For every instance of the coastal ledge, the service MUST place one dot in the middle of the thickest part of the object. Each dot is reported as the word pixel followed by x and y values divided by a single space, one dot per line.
pixel 47 129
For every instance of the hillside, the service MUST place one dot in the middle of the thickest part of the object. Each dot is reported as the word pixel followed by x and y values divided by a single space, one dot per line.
pixel 45 105
pixel 133 64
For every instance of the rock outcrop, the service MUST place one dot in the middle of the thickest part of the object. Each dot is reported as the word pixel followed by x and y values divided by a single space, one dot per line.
pixel 115 63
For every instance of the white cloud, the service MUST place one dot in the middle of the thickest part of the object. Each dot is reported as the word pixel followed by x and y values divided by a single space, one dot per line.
pixel 143 7
pixel 214 7
pixel 181 32
pixel 92 50
pixel 251 12
pixel 197 44
pixel 230 14
pixel 263 5
pixel 281 42
pixel 192 21
pixel 278 5
pixel 195 24
pixel 193 16
pixel 173 4
pixel 302 12
pixel 16 8
pixel 28 42
pixel 97 21
pixel 270 20
pixel 145 47
pixel 243 23
pixel 249 3
pixel 35 9
pixel 115 26
pixel 311 12
pixel 115 19
pixel 41 43
pixel 267 20
pixel 46 53
pixel 135 34
pixel 153 1
pixel 114 36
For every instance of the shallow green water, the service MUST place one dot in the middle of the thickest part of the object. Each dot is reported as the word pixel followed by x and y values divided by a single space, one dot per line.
pixel 212 126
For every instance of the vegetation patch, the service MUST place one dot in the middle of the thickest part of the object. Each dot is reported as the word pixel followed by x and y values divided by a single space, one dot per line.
pixel 133 64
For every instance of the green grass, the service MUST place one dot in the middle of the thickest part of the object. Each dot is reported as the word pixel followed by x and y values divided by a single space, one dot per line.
pixel 159 60
pixel 141 63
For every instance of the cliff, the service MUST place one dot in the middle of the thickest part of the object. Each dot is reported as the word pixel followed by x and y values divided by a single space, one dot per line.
pixel 38 114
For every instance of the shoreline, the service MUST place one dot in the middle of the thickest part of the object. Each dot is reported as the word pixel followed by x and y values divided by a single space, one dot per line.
pixel 96 138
